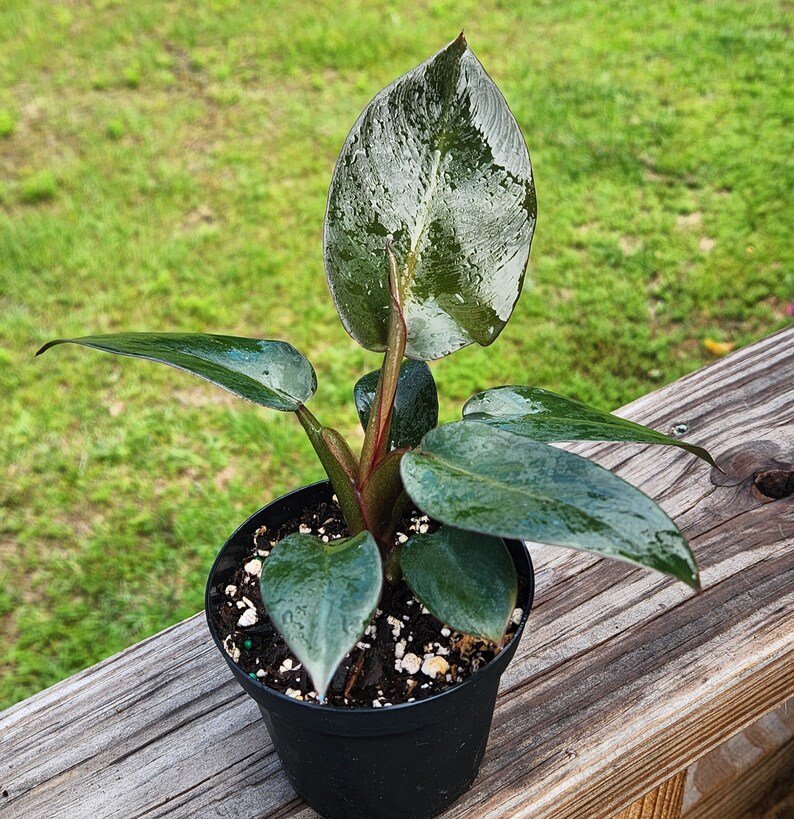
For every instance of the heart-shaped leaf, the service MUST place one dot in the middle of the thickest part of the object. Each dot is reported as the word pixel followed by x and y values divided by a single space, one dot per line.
pixel 466 579
pixel 271 373
pixel 437 162
pixel 321 597
pixel 415 403
pixel 480 478
pixel 546 416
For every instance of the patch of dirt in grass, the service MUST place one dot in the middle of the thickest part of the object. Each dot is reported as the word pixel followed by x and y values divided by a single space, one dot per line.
pixel 689 220
pixel 629 245
pixel 199 397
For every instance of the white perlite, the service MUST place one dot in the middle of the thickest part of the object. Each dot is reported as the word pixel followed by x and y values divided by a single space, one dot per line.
pixel 230 590
pixel 399 649
pixel 433 666
pixel 515 618
pixel 253 567
pixel 409 663
pixel 294 693
pixel 231 649
pixel 248 618
pixel 396 626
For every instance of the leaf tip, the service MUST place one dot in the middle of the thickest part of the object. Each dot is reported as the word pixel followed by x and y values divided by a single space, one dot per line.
pixel 48 345
pixel 459 44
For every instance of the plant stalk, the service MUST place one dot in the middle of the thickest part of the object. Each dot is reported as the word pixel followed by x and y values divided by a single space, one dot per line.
pixel 376 438
pixel 340 465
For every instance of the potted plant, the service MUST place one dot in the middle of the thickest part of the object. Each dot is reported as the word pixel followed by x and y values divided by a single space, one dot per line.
pixel 430 216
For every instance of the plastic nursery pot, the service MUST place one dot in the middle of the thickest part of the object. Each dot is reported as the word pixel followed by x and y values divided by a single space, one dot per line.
pixel 405 761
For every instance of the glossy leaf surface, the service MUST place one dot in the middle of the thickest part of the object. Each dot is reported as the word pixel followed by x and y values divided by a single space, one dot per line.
pixel 546 416
pixel 271 373
pixel 321 597
pixel 436 161
pixel 415 403
pixel 480 478
pixel 466 579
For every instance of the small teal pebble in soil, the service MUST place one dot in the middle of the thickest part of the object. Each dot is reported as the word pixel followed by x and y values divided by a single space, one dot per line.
pixel 251 674
pixel 248 645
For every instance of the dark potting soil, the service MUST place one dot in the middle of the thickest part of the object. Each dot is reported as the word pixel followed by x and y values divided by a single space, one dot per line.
pixel 405 654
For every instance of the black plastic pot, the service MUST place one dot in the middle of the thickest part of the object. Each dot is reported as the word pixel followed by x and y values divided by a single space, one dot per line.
pixel 405 761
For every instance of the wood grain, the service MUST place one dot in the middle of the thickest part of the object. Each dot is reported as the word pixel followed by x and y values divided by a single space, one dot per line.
pixel 623 678
pixel 741 778
pixel 663 802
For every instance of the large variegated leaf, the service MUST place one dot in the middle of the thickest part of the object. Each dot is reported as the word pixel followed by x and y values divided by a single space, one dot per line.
pixel 546 416
pixel 415 403
pixel 321 597
pixel 436 161
pixel 480 478
pixel 271 373
pixel 466 579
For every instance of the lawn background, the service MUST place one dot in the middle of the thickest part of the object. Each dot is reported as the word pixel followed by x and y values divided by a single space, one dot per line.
pixel 164 166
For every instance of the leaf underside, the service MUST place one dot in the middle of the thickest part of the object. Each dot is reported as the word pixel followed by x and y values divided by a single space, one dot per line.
pixel 437 162
pixel 321 597
pixel 466 579
pixel 545 416
pixel 479 478
pixel 271 373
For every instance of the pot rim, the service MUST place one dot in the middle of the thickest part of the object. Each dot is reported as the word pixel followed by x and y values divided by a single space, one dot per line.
pixel 319 707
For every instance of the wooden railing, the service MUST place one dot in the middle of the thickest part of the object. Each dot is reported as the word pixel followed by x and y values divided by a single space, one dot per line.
pixel 623 681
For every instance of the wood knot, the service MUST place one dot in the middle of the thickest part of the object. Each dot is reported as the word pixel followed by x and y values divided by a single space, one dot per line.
pixel 763 467
pixel 774 483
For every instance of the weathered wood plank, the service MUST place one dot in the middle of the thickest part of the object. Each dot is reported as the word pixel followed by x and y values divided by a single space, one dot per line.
pixel 622 680
pixel 663 802
pixel 735 780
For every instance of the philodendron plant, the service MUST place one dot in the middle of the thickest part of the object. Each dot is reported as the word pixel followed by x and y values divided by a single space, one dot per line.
pixel 430 216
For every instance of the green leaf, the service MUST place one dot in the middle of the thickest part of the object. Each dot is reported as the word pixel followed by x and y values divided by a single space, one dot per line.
pixel 271 373
pixel 436 161
pixel 321 597
pixel 415 403
pixel 466 579
pixel 483 479
pixel 546 416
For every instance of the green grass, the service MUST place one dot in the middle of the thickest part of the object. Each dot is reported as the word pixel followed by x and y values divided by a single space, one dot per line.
pixel 165 166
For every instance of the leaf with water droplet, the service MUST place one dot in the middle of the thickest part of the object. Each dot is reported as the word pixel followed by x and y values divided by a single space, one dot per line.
pixel 546 416
pixel 466 579
pixel 479 478
pixel 271 373
pixel 321 597
pixel 415 403
pixel 436 161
